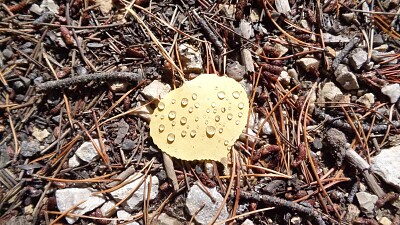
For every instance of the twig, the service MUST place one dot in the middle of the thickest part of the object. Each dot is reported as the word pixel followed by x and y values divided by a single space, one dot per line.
pixel 282 202
pixel 96 77
pixel 169 168
pixel 362 165
pixel 343 125
pixel 207 30
pixel 353 42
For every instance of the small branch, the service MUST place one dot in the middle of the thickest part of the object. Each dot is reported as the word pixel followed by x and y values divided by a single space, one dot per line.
pixel 345 126
pixel 208 31
pixel 345 51
pixel 84 79
pixel 282 202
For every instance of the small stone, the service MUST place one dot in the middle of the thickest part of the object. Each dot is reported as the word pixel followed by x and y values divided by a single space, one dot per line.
pixel 385 221
pixel 305 24
pixel 106 207
pixel 29 148
pixel 387 167
pixel 122 130
pixel 358 58
pixel 4 155
pixel 346 78
pixel 349 17
pixel 18 86
pixel 28 210
pixel 35 8
pixel 138 195
pixel 247 60
pixel 367 100
pixel 87 152
pixel 352 213
pixel 40 135
pixel 328 93
pixel 367 202
pixel 335 40
pixel 156 90
pixel 337 145
pixel 282 6
pixel 74 161
pixel 308 63
pixel 69 197
pixel 295 220
pixel 248 222
pixel 284 78
pixel 209 169
pixel 124 215
pixel 281 49
pixel 246 29
pixel 378 40
pixel 392 91
pixel 164 219
pixel 7 53
pixel 190 57
pixel 128 144
pixel 198 199
pixel 293 74
pixel 51 5
pixel 118 87
pixel 235 70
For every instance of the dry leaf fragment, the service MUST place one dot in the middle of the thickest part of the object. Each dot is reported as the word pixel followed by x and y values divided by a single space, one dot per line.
pixel 202 119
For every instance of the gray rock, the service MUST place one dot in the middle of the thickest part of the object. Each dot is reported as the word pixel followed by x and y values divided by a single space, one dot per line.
pixel 392 91
pixel 235 70
pixel 307 63
pixel 248 222
pixel 284 78
pixel 293 74
pixel 164 219
pixel 35 8
pixel 346 78
pixel 87 152
pixel 246 29
pixel 357 58
pixel 107 208
pixel 66 198
pixel 124 215
pixel 367 100
pixel 128 144
pixel 74 161
pixel 329 92
pixel 39 134
pixel 385 221
pixel 367 202
pixel 190 57
pixel 7 53
pixel 29 148
pixel 282 6
pixel 337 144
pixel 387 166
pixel 334 40
pixel 247 60
pixel 198 199
pixel 352 213
pixel 4 156
pixel 378 40
pixel 123 128
pixel 136 197
pixel 156 90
